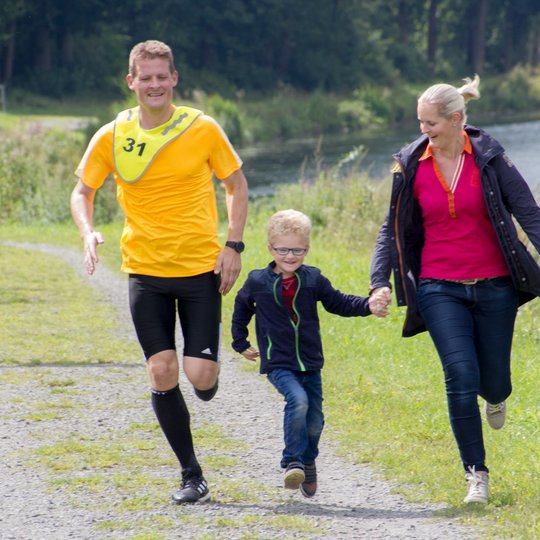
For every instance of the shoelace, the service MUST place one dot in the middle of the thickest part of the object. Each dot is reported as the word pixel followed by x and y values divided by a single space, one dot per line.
pixel 497 408
pixel 476 482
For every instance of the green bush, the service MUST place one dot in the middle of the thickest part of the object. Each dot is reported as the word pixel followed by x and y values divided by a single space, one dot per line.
pixel 515 94
pixel 355 114
pixel 369 107
pixel 374 107
pixel 37 176
pixel 16 178
pixel 227 114
pixel 318 112
pixel 341 201
pixel 289 115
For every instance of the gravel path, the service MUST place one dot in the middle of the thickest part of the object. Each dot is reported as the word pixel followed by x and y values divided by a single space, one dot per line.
pixel 352 503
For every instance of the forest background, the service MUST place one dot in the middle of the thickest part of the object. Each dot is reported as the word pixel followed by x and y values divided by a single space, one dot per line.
pixel 267 70
pixel 272 69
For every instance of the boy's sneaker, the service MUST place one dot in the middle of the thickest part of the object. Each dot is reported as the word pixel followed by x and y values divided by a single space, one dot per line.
pixel 294 475
pixel 496 414
pixel 192 490
pixel 308 487
pixel 478 489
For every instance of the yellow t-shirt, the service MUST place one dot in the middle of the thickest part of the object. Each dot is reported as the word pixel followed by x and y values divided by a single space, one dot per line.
pixel 171 219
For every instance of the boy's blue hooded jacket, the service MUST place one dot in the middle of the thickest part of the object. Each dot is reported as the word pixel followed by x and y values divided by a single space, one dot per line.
pixel 282 342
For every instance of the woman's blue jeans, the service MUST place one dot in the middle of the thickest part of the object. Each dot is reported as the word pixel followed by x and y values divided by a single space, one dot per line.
pixel 303 419
pixel 472 328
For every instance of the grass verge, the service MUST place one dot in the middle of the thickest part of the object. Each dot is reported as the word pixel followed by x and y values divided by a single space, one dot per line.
pixel 45 316
pixel 384 395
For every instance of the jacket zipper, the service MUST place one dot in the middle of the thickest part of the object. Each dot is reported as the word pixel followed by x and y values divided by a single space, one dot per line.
pixel 296 325
pixel 398 240
pixel 293 324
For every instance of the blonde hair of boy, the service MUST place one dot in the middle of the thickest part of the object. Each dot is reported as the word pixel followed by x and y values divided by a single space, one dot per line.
pixel 288 222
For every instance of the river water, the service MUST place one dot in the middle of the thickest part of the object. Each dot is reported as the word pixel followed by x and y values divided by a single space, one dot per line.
pixel 267 166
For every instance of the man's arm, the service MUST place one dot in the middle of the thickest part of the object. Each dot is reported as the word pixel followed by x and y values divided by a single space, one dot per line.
pixel 228 262
pixel 82 210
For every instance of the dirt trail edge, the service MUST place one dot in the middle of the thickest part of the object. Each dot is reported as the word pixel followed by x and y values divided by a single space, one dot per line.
pixel 352 502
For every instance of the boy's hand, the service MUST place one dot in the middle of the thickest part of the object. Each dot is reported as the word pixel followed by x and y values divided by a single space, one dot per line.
pixel 250 354
pixel 379 301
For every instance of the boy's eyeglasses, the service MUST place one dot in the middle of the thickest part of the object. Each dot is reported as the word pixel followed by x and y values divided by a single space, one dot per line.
pixel 285 251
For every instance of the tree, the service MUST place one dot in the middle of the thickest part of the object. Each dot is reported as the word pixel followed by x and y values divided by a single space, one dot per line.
pixel 510 35
pixel 432 36
pixel 60 48
pixel 9 13
pixel 477 36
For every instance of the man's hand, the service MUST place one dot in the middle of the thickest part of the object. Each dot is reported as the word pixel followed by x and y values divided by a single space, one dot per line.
pixel 379 300
pixel 251 354
pixel 91 241
pixel 229 265
pixel 82 208
pixel 228 262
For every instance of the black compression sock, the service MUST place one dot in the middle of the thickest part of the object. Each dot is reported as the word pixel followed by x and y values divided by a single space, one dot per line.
pixel 173 417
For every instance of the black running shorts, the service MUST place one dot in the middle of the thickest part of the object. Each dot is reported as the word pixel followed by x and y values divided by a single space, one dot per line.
pixel 153 302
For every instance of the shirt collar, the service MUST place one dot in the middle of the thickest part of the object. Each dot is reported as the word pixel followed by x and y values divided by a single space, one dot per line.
pixel 467 148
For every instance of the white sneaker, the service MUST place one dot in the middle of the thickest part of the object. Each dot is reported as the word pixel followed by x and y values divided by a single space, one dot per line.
pixel 478 490
pixel 496 414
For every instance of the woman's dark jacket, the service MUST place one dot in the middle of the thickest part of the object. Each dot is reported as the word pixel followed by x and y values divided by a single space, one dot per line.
pixel 282 342
pixel 401 238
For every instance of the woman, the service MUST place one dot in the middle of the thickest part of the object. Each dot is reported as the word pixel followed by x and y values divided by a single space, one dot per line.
pixel 458 264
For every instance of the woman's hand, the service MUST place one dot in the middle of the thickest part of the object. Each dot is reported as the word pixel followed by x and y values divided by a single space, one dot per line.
pixel 379 300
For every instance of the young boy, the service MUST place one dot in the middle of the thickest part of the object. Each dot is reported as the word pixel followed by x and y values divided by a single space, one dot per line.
pixel 283 297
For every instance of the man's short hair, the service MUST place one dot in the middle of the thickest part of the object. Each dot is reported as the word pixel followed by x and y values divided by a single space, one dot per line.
pixel 148 50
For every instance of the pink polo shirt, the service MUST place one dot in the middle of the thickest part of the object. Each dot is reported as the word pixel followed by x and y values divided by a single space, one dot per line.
pixel 460 241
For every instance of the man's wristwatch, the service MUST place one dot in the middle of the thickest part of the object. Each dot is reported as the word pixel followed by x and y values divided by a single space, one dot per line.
pixel 237 246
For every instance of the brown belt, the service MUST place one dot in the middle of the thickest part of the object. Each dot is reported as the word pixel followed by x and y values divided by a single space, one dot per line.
pixel 468 281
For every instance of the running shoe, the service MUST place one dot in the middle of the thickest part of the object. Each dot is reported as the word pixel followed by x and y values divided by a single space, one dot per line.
pixel 294 475
pixel 192 490
pixel 308 487
pixel 496 414
pixel 478 486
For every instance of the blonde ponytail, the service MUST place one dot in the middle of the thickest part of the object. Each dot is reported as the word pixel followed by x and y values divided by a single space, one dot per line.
pixel 469 90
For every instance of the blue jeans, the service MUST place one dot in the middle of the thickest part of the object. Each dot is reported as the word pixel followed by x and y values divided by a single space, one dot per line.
pixel 472 328
pixel 303 419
